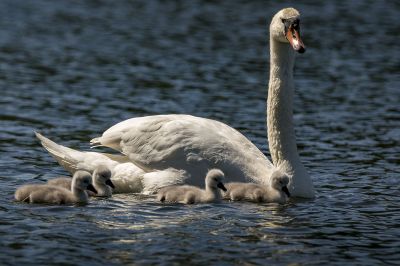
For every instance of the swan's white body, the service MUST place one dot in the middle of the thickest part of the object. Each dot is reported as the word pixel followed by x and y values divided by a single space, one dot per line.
pixel 187 143
pixel 179 149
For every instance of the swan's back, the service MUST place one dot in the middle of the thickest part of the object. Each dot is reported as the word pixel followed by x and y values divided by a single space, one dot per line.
pixel 189 143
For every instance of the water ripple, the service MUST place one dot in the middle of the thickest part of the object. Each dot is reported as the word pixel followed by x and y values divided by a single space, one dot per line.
pixel 101 62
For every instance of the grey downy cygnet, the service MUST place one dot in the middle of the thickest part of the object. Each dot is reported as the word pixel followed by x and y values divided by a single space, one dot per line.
pixel 191 194
pixel 277 191
pixel 45 193
pixel 101 180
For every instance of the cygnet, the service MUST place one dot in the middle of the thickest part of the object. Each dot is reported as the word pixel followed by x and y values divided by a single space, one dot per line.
pixel 191 194
pixel 276 192
pixel 100 180
pixel 45 193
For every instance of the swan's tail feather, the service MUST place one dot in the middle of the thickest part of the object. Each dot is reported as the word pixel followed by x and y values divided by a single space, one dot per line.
pixel 73 160
pixel 110 140
pixel 65 156
pixel 95 143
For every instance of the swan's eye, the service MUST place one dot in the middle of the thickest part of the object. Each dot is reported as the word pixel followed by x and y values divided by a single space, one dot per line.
pixel 296 24
pixel 283 20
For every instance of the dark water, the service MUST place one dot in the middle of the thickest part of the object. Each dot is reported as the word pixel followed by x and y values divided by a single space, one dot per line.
pixel 71 69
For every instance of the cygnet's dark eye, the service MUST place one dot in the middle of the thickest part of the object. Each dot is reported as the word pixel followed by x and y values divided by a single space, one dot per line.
pixel 283 20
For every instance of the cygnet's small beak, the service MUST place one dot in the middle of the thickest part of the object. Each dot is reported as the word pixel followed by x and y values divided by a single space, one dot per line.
pixel 221 186
pixel 293 36
pixel 109 183
pixel 91 188
pixel 286 190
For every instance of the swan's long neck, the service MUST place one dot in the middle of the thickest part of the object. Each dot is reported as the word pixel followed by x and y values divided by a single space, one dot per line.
pixel 281 135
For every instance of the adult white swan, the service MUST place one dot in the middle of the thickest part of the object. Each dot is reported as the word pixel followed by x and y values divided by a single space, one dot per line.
pixel 174 149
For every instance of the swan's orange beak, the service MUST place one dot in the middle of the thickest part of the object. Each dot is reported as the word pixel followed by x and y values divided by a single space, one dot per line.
pixel 293 36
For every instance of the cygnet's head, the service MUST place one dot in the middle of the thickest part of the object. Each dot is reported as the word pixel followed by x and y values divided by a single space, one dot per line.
pixel 285 27
pixel 102 175
pixel 82 180
pixel 280 181
pixel 215 178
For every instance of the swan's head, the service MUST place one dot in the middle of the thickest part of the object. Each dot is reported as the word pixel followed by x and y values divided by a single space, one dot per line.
pixel 102 175
pixel 82 180
pixel 280 181
pixel 215 179
pixel 285 27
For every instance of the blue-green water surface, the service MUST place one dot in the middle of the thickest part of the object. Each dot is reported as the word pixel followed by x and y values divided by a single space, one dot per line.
pixel 71 69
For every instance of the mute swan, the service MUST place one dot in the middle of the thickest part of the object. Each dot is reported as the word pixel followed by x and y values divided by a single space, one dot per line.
pixel 190 194
pixel 44 193
pixel 276 192
pixel 100 180
pixel 188 146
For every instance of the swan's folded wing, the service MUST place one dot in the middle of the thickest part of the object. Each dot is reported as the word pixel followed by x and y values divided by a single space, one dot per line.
pixel 167 142
pixel 180 142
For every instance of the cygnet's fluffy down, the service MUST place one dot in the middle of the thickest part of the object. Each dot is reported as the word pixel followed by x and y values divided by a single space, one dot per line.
pixel 277 192
pixel 191 194
pixel 81 181
pixel 101 180
pixel 63 181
